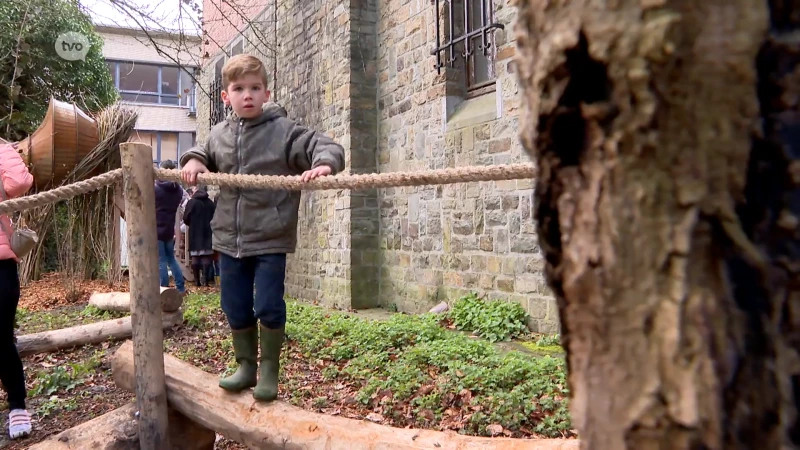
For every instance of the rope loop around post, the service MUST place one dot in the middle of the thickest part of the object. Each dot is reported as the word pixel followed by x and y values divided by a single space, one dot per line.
pixel 362 181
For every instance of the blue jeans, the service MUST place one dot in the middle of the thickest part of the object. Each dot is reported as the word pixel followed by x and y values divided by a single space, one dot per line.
pixel 166 257
pixel 245 307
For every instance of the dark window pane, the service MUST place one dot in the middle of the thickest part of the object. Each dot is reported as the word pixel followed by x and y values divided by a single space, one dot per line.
pixel 138 77
pixel 238 49
pixel 186 88
pixel 169 146
pixel 113 70
pixel 169 80
pixel 481 65
pixel 140 98
pixel 185 142
pixel 218 68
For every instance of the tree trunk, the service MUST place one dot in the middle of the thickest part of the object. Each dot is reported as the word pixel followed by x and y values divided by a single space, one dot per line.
pixel 663 131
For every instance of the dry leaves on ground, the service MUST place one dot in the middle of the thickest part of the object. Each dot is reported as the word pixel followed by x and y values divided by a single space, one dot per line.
pixel 56 289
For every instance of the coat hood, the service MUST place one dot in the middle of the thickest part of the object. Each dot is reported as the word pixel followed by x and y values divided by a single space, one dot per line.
pixel 169 186
pixel 200 194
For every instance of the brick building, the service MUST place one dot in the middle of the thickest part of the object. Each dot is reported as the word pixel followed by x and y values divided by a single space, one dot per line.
pixel 365 73
pixel 153 73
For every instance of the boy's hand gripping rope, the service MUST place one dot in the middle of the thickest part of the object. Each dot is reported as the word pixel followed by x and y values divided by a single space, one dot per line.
pixel 354 182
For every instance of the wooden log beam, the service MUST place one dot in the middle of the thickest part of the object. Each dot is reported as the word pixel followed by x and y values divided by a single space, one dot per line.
pixel 93 333
pixel 196 394
pixel 117 430
pixel 148 336
pixel 170 298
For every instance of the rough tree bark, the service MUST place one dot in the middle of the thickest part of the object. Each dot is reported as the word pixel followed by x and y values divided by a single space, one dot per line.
pixel 667 204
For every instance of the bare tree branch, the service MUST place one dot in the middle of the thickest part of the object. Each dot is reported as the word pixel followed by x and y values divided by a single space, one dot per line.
pixel 173 42
pixel 16 69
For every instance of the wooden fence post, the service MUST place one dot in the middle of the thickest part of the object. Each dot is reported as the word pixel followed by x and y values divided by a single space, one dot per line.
pixel 148 335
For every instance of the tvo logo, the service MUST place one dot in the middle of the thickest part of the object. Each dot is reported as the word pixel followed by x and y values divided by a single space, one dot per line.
pixel 72 46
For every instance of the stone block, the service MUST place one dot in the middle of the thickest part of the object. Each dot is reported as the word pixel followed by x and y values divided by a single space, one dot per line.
pixel 527 283
pixel 505 284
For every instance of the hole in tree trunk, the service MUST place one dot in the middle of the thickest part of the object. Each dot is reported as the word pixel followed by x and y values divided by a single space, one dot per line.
pixel 564 130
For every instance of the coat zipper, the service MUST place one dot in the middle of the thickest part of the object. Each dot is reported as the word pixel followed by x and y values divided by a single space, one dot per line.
pixel 239 195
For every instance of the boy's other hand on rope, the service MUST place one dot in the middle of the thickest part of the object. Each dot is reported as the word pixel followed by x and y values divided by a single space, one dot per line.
pixel 316 172
pixel 190 171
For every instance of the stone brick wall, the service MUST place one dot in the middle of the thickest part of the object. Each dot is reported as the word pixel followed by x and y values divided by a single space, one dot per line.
pixel 439 243
pixel 361 71
pixel 312 71
pixel 314 45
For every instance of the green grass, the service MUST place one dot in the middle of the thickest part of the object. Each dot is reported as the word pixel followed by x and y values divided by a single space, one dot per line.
pixel 407 365
pixel 545 345
pixel 198 308
pixel 493 320
pixel 65 377
pixel 33 322
pixel 414 360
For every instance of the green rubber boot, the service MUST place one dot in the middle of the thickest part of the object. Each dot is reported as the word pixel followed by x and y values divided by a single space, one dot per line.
pixel 267 388
pixel 245 349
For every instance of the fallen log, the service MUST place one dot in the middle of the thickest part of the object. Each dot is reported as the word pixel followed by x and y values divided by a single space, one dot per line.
pixel 171 300
pixel 196 394
pixel 119 430
pixel 93 333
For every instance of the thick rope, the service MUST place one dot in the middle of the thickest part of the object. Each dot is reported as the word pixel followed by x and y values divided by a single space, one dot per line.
pixel 365 181
pixel 353 182
pixel 65 192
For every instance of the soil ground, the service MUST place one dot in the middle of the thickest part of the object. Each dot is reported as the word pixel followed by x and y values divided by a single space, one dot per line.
pixel 69 387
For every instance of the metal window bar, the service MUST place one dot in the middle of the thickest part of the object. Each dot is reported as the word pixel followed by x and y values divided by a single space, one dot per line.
pixel 467 37
pixel 218 109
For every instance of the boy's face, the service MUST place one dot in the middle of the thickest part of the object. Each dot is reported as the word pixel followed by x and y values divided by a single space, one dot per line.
pixel 246 96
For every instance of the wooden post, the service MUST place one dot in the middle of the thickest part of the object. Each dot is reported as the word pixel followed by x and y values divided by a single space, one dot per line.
pixel 148 336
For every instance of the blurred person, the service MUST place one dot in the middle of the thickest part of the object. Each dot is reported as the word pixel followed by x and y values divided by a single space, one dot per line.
pixel 168 198
pixel 16 180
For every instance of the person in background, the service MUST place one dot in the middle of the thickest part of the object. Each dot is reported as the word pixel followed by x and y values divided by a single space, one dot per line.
pixel 16 180
pixel 168 197
pixel 180 231
pixel 197 216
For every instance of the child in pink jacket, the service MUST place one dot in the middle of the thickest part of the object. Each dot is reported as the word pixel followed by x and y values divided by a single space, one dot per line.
pixel 16 181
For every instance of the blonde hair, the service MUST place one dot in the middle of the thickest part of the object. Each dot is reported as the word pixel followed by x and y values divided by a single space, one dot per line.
pixel 241 65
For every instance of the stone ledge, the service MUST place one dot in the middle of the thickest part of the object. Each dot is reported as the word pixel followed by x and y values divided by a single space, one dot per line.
pixel 474 111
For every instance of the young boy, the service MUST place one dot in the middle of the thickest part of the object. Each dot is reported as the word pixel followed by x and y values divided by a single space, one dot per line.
pixel 254 229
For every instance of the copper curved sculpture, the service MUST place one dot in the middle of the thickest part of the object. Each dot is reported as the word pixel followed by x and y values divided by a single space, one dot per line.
pixel 64 138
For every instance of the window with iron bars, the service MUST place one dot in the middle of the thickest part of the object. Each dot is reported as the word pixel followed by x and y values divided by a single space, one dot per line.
pixel 218 109
pixel 465 40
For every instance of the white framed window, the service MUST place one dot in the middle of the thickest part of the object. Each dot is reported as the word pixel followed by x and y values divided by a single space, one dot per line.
pixel 153 83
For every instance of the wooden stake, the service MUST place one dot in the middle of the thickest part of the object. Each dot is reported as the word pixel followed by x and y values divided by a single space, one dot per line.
pixel 148 336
